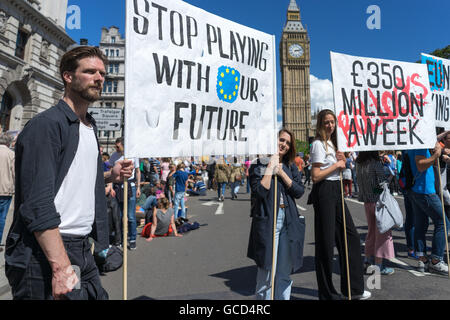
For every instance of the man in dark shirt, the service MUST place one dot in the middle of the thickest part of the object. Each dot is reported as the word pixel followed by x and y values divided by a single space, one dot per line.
pixel 60 196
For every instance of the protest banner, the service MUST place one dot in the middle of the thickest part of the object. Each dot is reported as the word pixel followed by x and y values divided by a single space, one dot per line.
pixel 196 84
pixel 381 104
pixel 438 74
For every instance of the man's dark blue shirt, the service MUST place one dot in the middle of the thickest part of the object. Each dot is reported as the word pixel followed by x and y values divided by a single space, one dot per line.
pixel 44 152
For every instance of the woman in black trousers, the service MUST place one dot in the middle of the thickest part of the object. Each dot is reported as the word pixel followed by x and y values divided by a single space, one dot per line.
pixel 328 223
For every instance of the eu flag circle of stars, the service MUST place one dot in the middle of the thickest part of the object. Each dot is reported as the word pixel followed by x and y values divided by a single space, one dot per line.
pixel 228 81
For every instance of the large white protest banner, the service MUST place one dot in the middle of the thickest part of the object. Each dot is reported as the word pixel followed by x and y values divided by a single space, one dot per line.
pixel 196 84
pixel 439 74
pixel 381 104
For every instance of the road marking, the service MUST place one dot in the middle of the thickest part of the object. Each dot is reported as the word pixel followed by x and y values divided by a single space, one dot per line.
pixel 212 203
pixel 353 200
pixel 301 208
pixel 407 267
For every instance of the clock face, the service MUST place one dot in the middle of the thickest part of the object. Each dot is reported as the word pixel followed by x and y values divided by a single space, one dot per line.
pixel 295 50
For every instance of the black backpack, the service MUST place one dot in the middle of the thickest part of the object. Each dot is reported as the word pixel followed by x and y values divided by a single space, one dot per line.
pixel 406 179
pixel 112 262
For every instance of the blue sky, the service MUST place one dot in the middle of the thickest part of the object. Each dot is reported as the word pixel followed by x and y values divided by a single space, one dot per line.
pixel 408 27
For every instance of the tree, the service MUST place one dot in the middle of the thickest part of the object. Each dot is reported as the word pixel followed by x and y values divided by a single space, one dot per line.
pixel 443 53
pixel 301 146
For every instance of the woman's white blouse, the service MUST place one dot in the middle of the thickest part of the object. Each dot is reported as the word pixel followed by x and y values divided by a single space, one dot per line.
pixel 325 157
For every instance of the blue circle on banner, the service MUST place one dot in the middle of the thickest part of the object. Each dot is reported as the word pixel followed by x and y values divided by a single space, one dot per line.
pixel 228 83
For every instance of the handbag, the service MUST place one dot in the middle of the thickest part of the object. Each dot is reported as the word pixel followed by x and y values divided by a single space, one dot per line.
pixel 387 212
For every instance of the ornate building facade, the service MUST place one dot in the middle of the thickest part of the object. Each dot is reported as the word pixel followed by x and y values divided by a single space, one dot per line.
pixel 295 66
pixel 32 41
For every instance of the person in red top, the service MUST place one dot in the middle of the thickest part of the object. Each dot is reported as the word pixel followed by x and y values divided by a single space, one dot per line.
pixel 299 162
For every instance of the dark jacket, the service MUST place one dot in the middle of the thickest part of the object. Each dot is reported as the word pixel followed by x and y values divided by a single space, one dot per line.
pixel 44 152
pixel 262 208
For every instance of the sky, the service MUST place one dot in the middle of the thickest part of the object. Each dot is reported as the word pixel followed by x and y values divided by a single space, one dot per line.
pixel 406 29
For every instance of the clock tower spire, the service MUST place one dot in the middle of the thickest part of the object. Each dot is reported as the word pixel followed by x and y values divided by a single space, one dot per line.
pixel 295 64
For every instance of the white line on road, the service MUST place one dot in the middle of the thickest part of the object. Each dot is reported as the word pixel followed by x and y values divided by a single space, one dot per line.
pixel 219 208
pixel 408 267
pixel 353 200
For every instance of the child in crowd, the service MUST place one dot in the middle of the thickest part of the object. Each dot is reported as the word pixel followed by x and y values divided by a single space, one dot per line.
pixel 347 175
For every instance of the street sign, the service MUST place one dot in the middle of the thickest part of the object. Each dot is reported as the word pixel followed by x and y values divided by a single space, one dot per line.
pixel 107 119
pixel 105 114
pixel 108 125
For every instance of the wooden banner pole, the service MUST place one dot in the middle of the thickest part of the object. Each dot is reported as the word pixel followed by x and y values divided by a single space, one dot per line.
pixel 272 273
pixel 125 237
pixel 345 240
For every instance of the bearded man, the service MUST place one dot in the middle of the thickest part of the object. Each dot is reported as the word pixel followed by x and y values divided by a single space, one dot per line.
pixel 60 197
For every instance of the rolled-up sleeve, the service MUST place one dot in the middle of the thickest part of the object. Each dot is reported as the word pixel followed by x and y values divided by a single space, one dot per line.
pixel 38 148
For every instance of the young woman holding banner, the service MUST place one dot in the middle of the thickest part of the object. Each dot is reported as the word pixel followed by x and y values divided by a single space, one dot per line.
pixel 326 197
pixel 290 227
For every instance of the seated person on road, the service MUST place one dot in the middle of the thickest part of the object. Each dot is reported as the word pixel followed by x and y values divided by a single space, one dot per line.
pixel 163 223
pixel 199 188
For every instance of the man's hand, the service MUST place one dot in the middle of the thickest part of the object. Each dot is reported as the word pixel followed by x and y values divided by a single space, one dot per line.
pixel 437 150
pixel 138 192
pixel 446 158
pixel 63 281
pixel 122 170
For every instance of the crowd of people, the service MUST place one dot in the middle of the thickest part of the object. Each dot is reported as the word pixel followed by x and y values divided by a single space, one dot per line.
pixel 157 180
pixel 58 169
pixel 413 173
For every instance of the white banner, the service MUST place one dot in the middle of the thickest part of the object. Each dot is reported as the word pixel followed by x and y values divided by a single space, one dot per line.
pixel 381 104
pixel 438 75
pixel 196 84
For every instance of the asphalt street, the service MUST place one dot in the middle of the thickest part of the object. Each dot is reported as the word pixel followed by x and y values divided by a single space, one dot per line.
pixel 210 263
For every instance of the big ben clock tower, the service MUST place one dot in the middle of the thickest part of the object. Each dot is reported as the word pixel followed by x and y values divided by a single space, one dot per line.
pixel 295 62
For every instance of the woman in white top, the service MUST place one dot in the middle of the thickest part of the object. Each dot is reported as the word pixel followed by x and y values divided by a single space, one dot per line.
pixel 326 198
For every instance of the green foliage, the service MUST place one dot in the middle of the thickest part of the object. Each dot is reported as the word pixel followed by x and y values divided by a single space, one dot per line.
pixel 301 146
pixel 443 53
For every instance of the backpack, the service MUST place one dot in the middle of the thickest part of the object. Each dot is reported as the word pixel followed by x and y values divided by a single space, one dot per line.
pixel 112 261
pixel 406 179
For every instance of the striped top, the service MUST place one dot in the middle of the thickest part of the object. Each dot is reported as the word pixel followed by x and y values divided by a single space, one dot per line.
pixel 369 176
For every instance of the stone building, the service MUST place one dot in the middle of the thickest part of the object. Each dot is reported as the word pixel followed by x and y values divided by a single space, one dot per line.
pixel 295 65
pixel 113 96
pixel 32 41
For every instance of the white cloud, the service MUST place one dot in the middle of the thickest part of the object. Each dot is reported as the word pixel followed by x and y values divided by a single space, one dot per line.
pixel 321 93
